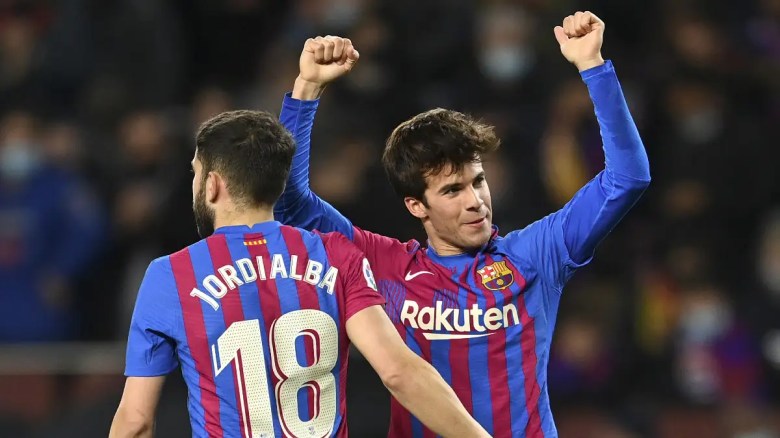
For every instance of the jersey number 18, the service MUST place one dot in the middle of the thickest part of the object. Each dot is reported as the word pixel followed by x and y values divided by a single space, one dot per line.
pixel 241 344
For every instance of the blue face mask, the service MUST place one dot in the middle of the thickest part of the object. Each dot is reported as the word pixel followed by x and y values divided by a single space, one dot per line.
pixel 18 161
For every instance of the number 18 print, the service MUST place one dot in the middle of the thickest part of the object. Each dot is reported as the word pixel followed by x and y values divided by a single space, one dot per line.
pixel 242 345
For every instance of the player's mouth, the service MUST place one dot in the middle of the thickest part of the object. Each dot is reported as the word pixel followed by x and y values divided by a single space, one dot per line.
pixel 476 223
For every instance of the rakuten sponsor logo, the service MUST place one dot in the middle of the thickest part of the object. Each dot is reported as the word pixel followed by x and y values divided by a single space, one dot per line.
pixel 458 323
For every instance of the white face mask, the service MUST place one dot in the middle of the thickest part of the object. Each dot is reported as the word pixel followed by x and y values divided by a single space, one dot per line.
pixel 342 14
pixel 506 63
pixel 705 322
pixel 700 127
pixel 18 161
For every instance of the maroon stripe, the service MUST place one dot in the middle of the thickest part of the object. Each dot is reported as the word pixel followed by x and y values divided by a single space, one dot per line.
pixel 400 418
pixel 266 291
pixel 528 348
pixel 343 347
pixel 459 354
pixel 497 372
pixel 197 340
pixel 532 391
pixel 232 310
pixel 307 293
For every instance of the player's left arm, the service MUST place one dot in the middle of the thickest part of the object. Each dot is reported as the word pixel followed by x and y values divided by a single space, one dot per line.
pixel 601 204
pixel 135 415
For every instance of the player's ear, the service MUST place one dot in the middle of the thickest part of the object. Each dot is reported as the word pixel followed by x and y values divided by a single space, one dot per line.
pixel 213 187
pixel 415 207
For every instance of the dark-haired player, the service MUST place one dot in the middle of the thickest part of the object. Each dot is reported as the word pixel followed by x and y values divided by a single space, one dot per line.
pixel 479 306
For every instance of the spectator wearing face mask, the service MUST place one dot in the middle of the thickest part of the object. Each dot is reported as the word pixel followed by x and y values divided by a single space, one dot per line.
pixel 49 228
pixel 765 300
pixel 716 360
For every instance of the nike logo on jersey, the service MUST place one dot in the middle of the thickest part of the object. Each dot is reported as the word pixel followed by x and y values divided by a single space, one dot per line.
pixel 410 276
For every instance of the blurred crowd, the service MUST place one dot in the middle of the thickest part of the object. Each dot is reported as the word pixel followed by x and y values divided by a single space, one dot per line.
pixel 675 324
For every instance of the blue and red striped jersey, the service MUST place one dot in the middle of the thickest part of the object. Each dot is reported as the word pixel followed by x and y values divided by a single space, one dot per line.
pixel 256 319
pixel 485 318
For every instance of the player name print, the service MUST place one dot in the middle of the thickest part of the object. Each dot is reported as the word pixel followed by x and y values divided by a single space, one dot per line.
pixel 246 270
pixel 453 323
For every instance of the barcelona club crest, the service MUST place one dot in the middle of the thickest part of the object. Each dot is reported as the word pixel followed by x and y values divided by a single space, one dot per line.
pixel 496 276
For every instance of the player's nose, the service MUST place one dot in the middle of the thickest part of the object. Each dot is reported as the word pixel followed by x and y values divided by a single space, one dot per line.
pixel 475 201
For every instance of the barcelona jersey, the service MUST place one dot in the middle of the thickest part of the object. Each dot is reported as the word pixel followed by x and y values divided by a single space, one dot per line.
pixel 255 316
pixel 485 319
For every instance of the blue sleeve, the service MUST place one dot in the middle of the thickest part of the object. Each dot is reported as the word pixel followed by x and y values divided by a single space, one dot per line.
pixel 596 208
pixel 560 243
pixel 151 349
pixel 299 206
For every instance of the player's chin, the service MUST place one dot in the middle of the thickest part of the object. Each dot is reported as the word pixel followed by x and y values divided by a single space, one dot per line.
pixel 477 238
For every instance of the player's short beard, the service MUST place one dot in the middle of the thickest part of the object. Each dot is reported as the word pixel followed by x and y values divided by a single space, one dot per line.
pixel 204 216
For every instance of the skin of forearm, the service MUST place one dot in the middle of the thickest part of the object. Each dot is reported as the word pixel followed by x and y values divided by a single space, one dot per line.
pixel 422 391
pixel 123 427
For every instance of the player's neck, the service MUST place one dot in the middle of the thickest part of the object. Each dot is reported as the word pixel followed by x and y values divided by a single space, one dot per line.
pixel 246 217
pixel 443 248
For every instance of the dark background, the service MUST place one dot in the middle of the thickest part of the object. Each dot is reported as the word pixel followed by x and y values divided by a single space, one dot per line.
pixel 672 331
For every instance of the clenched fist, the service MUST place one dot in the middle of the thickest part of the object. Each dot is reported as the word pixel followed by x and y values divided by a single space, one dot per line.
pixel 580 38
pixel 323 60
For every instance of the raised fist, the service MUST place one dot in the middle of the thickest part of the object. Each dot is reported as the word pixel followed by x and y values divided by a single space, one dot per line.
pixel 325 59
pixel 580 38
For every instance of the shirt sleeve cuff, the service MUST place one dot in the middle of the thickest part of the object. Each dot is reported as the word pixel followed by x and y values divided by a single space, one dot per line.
pixel 605 68
pixel 296 104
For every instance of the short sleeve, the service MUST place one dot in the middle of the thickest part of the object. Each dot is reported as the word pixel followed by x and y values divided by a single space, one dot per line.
pixel 358 281
pixel 361 290
pixel 377 247
pixel 151 349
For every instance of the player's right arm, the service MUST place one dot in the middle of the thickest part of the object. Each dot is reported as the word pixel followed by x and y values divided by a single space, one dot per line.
pixel 135 415
pixel 151 352
pixel 322 61
pixel 411 380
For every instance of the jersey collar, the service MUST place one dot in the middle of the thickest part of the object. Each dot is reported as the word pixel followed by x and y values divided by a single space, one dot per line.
pixel 262 227
pixel 457 260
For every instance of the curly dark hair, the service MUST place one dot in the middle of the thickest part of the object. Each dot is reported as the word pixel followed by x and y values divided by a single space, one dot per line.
pixel 428 142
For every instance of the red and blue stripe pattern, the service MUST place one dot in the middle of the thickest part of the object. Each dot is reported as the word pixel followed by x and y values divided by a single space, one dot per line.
pixel 216 405
pixel 497 374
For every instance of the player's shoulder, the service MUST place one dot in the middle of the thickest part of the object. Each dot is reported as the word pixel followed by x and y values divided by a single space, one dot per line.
pixel 515 241
pixel 181 257
pixel 316 236
pixel 161 264
pixel 183 252
pixel 338 244
pixel 368 238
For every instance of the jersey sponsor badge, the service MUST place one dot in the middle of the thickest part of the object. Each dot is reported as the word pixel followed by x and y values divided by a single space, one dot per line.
pixel 369 276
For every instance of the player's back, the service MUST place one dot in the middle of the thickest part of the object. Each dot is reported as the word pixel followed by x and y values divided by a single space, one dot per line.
pixel 262 340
